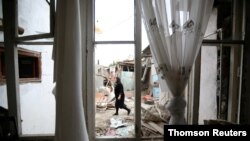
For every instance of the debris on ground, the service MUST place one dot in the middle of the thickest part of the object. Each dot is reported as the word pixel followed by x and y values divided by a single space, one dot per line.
pixel 155 113
pixel 154 117
pixel 116 123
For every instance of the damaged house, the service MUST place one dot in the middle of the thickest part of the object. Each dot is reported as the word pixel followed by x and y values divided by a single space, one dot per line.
pixel 180 62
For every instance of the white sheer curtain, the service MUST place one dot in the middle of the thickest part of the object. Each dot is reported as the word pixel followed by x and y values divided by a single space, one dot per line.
pixel 175 30
pixel 70 119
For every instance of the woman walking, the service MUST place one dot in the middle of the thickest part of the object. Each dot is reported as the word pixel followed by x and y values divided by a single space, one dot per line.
pixel 119 97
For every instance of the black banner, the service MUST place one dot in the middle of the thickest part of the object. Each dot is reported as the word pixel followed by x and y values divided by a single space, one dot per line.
pixel 205 131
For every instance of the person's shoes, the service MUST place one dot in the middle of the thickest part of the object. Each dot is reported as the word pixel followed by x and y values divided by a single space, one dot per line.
pixel 115 114
pixel 129 111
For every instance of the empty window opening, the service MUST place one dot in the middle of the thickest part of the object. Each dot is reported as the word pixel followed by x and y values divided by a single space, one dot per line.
pixel 29 64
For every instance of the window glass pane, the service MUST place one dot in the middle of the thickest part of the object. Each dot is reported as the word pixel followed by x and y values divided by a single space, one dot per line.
pixel 108 54
pixel 33 17
pixel 114 20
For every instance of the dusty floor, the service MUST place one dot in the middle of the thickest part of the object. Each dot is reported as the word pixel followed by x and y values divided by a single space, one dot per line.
pixel 122 125
pixel 104 117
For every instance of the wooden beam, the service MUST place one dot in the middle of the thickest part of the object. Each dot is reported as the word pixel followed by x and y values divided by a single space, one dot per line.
pixel 52 17
pixel 137 37
pixel 196 92
pixel 11 59
pixel 88 60
pixel 114 42
pixel 235 62
pixel 36 43
pixel 241 62
pixel 156 127
pixel 32 43
pixel 224 42
pixel 245 93
pixel 20 29
pixel 193 102
pixel 34 37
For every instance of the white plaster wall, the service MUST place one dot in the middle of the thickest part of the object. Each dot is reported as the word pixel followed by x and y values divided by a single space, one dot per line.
pixel 36 98
pixel 208 108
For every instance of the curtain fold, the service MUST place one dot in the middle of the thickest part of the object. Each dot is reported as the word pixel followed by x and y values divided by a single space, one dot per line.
pixel 67 55
pixel 175 30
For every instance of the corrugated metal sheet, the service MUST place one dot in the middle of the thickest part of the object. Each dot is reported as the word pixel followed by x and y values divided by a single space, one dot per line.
pixel 128 80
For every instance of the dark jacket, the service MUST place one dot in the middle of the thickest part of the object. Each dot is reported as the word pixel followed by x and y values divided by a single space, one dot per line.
pixel 119 91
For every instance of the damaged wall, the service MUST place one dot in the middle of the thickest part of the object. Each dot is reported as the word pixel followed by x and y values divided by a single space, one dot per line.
pixel 208 84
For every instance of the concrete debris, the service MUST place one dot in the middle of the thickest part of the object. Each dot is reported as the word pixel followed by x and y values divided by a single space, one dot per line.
pixel 111 132
pixel 105 98
pixel 116 123
pixel 153 119
pixel 152 128
pixel 126 131
pixel 155 113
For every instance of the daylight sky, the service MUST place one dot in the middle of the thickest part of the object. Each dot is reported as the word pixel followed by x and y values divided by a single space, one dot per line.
pixel 114 20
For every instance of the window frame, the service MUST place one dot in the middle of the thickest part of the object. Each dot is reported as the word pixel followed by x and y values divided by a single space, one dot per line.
pixel 89 81
pixel 137 70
